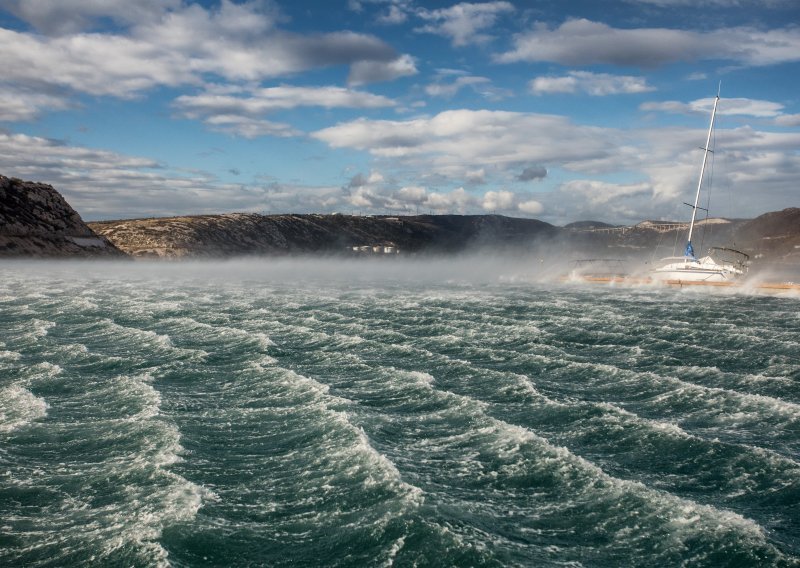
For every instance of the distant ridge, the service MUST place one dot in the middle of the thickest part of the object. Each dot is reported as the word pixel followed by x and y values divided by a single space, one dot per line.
pixel 583 225
pixel 250 233
pixel 35 220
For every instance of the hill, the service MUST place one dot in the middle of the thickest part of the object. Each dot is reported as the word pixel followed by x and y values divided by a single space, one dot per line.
pixel 35 220
pixel 249 233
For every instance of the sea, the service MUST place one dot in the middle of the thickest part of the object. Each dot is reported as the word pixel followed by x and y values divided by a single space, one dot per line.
pixel 446 412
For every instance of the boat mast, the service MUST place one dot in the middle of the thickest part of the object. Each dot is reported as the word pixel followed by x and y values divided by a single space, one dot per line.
pixel 689 252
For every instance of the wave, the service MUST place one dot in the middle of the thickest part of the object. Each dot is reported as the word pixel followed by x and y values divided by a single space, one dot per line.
pixel 19 407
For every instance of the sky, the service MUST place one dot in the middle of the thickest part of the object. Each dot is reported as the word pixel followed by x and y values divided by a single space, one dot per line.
pixel 558 110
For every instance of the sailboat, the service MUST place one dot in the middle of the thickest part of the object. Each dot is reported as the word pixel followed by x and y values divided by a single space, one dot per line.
pixel 688 268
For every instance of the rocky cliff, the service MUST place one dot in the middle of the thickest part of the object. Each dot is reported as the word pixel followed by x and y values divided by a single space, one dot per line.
pixel 35 220
pixel 775 234
pixel 240 233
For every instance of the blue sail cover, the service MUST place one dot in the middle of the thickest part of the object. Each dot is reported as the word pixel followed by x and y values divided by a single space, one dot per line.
pixel 689 252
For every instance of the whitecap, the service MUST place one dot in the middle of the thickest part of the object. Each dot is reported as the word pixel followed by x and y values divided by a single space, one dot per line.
pixel 19 407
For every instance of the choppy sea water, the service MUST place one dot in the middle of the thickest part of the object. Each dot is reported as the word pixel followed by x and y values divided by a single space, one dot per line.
pixel 404 414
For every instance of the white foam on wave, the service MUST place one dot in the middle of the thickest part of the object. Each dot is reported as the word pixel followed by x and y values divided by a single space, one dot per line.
pixel 583 479
pixel 752 405
pixel 381 470
pixel 19 407
pixel 522 452
pixel 43 371
pixel 263 340
pixel 40 328
pixel 140 388
pixel 166 498
pixel 159 340
pixel 9 355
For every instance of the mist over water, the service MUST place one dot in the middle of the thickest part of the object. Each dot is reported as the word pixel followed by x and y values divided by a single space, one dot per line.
pixel 446 412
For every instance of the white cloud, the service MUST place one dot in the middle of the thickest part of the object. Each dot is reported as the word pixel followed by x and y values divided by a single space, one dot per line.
pixel 719 3
pixel 761 168
pixel 727 106
pixel 464 22
pixel 756 171
pixel 476 177
pixel 531 207
pixel 498 200
pixel 364 197
pixel 107 185
pixel 583 42
pixel 247 127
pixel 72 16
pixel 595 84
pixel 532 173
pixel 696 76
pixel 240 111
pixel 17 105
pixel 412 194
pixel 184 46
pixel 395 15
pixel 456 142
pixel 788 120
pixel 456 201
pixel 450 89
pixel 598 192
pixel 374 71
pixel 284 97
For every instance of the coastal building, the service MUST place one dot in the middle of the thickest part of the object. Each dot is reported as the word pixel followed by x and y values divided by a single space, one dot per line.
pixel 377 249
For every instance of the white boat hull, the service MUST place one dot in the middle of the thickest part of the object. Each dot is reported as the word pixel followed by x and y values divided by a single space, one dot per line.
pixel 687 269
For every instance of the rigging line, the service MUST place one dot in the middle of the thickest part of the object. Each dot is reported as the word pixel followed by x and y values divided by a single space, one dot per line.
pixel 675 244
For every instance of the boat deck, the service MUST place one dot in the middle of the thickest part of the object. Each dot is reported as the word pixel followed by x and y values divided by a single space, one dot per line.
pixel 765 287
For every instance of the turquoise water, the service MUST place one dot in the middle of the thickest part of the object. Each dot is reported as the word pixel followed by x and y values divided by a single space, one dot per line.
pixel 406 414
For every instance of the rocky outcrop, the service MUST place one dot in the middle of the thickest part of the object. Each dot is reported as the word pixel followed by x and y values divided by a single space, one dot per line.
pixel 35 220
pixel 775 234
pixel 240 233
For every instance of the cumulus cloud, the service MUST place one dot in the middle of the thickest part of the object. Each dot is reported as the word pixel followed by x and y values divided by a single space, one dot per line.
pixel 284 97
pixel 464 23
pixel 456 142
pixel 377 194
pixel 186 45
pixel 448 82
pixel 375 70
pixel 391 12
pixel 732 106
pixel 758 169
pixel 360 180
pixel 240 111
pixel 395 15
pixel 476 177
pixel 72 16
pixel 440 89
pixel 247 127
pixel 584 42
pixel 18 105
pixel 598 192
pixel 532 173
pixel 595 84
pixel 456 201
pixel 498 200
pixel 788 120
pixel 531 207
pixel 718 3
pixel 761 168
pixel 412 194
pixel 105 185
